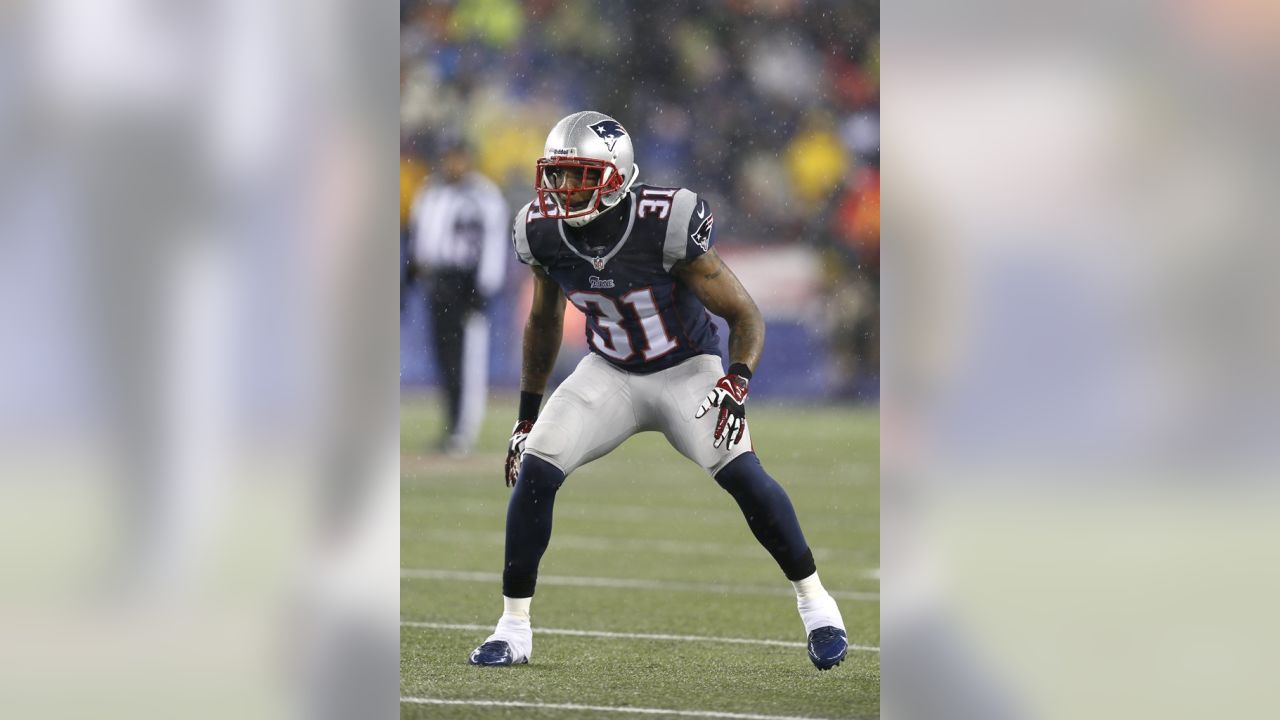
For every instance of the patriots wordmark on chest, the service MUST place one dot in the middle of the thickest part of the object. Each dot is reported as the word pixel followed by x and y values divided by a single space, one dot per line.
pixel 598 283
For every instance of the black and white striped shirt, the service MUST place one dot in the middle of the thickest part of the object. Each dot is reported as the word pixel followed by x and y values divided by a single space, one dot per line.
pixel 462 226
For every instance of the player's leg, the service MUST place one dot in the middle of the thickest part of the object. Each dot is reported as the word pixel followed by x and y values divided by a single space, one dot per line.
pixel 448 322
pixel 529 515
pixel 772 519
pixel 474 382
pixel 764 503
pixel 769 514
pixel 588 415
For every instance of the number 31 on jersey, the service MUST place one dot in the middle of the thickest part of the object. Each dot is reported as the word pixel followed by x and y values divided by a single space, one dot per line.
pixel 611 334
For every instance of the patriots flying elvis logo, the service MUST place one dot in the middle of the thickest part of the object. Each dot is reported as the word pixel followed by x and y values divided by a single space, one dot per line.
pixel 702 236
pixel 609 131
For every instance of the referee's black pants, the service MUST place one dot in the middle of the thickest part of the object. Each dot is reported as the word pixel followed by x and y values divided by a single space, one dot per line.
pixel 453 298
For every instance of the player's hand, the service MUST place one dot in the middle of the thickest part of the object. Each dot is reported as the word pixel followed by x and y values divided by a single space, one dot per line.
pixel 515 450
pixel 730 395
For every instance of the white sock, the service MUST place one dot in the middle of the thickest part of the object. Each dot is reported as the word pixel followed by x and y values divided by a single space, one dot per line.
pixel 817 607
pixel 516 607
pixel 514 628
pixel 810 587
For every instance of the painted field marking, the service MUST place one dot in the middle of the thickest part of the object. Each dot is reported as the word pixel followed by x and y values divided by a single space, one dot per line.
pixel 573 581
pixel 615 512
pixel 604 708
pixel 629 636
pixel 587 542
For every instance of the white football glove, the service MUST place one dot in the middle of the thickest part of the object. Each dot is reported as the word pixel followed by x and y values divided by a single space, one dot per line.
pixel 515 450
pixel 730 395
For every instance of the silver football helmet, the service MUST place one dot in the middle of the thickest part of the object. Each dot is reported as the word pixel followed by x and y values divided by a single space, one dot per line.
pixel 587 167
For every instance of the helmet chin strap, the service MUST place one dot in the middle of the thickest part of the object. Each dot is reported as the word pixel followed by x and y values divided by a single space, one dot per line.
pixel 622 192
pixel 631 179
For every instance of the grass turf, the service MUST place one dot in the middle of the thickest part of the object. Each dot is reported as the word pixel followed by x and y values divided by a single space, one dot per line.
pixel 642 513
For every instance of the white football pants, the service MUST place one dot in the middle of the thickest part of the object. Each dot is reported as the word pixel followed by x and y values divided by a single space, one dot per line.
pixel 599 406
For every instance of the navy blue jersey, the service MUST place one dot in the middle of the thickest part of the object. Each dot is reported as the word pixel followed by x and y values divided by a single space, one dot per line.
pixel 617 271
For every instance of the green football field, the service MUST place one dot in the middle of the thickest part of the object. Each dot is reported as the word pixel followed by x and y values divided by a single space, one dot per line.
pixel 645 544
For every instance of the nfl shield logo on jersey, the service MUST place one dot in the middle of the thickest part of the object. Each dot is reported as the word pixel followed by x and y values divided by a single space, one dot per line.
pixel 609 131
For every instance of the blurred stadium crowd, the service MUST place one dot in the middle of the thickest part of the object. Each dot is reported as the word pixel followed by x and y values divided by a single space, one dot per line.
pixel 773 116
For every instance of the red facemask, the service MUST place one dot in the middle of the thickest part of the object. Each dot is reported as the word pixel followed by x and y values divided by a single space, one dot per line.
pixel 570 187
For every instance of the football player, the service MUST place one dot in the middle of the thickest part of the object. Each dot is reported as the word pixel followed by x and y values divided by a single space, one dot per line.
pixel 639 261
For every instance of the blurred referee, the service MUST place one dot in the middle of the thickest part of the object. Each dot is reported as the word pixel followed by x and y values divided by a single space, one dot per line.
pixel 459 244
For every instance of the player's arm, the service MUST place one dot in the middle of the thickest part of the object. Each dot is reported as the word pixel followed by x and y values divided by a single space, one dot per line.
pixel 542 334
pixel 720 290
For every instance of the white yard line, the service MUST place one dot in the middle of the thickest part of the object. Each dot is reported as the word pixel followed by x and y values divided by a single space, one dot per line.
pixel 603 709
pixel 634 584
pixel 629 636
pixel 587 542
pixel 614 512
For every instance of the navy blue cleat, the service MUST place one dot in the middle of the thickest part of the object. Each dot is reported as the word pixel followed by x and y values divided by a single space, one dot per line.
pixel 827 647
pixel 495 653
